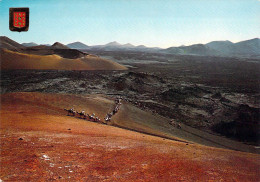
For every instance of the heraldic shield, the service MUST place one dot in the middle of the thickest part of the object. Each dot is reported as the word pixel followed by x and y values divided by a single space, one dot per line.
pixel 19 19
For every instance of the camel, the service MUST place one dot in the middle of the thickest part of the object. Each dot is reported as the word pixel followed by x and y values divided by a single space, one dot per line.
pixel 91 117
pixel 82 114
pixel 87 117
pixel 108 117
pixel 71 111
pixel 118 100
pixel 96 119
pixel 117 108
pixel 114 112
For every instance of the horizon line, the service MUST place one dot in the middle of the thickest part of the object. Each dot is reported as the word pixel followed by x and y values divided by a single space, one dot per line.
pixel 234 42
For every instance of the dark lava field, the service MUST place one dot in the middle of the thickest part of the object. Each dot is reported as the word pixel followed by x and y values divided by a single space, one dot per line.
pixel 214 94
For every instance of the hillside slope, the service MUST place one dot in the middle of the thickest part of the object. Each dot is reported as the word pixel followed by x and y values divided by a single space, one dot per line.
pixel 38 138
pixel 58 45
pixel 7 43
pixel 16 60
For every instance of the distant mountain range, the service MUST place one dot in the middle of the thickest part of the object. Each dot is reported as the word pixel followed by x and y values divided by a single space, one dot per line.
pixel 77 45
pixel 30 44
pixel 247 48
pixel 219 48
pixel 196 49
pixel 215 48
pixel 112 46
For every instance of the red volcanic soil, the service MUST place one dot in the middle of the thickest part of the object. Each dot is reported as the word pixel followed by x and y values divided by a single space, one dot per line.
pixel 40 143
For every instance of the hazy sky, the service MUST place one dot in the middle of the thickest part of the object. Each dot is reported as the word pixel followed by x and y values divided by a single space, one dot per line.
pixel 162 23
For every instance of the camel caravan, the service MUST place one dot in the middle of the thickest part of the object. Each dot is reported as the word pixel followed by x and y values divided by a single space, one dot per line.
pixel 82 115
pixel 115 110
pixel 93 117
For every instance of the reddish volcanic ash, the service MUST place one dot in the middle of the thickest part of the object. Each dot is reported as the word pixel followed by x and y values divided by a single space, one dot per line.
pixel 40 143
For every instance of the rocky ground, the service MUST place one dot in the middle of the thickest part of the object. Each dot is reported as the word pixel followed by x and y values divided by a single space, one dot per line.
pixel 217 95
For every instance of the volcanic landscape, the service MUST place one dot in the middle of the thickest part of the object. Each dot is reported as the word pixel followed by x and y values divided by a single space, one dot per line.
pixel 182 117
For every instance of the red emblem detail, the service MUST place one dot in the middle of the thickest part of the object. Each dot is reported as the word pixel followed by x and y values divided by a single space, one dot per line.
pixel 19 19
